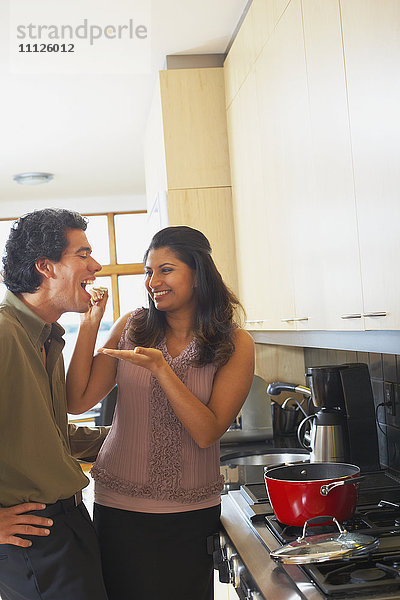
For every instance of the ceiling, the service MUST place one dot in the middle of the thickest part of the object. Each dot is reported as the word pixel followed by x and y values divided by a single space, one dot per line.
pixel 88 129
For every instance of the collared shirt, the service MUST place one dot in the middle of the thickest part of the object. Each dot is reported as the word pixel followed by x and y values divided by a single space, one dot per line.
pixel 37 445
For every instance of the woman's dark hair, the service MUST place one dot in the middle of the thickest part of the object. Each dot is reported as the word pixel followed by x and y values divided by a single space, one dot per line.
pixel 39 234
pixel 215 303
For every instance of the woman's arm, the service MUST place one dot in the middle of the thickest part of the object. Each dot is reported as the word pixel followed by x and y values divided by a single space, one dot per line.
pixel 90 378
pixel 232 382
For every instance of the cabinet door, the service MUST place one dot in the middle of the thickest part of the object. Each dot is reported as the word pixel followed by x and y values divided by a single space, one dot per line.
pixel 285 150
pixel 328 281
pixel 249 207
pixel 372 55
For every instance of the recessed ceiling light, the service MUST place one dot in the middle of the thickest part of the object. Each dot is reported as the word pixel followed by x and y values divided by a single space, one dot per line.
pixel 33 178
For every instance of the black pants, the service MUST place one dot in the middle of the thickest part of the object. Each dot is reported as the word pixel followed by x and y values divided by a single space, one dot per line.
pixel 64 565
pixel 156 556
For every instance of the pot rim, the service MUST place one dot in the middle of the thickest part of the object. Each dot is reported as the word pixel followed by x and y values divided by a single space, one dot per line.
pixel 357 472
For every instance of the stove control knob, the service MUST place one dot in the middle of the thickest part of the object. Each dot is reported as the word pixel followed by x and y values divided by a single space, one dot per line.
pixel 236 568
pixel 224 572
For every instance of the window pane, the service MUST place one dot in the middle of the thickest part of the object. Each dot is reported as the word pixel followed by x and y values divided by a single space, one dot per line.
pixel 131 237
pixel 5 227
pixel 70 322
pixel 3 290
pixel 97 234
pixel 132 293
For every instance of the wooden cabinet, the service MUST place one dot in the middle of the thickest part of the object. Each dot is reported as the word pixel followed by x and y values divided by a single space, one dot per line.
pixel 372 54
pixel 187 159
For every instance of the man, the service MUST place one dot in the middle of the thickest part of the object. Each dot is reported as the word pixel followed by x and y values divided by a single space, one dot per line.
pixel 48 548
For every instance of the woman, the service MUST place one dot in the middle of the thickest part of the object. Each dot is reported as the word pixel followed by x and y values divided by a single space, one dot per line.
pixel 183 369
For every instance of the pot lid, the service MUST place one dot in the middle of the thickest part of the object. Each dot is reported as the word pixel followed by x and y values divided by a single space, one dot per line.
pixel 324 547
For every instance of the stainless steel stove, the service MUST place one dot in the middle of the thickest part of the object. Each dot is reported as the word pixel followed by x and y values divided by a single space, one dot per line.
pixel 252 531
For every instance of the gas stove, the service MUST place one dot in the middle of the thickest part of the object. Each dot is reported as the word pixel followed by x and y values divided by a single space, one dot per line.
pixel 368 576
pixel 375 571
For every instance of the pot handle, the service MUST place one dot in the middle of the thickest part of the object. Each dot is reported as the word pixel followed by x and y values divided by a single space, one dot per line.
pixel 321 518
pixel 325 489
pixel 299 430
pixel 268 468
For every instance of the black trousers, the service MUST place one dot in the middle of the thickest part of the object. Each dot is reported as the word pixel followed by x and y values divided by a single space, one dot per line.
pixel 156 556
pixel 65 565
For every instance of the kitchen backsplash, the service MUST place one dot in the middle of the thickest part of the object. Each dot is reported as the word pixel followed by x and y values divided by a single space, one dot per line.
pixel 385 375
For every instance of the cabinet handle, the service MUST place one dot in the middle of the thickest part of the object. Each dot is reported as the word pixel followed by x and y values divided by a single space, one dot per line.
pixel 356 316
pixel 375 314
pixel 294 319
pixel 255 321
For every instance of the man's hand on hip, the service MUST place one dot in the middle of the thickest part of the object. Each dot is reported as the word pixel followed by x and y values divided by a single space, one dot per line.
pixel 14 522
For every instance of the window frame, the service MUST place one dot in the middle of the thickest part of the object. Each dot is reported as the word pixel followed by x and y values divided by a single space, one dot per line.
pixel 113 269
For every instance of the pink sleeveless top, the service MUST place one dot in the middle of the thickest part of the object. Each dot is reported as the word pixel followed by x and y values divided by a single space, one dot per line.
pixel 149 463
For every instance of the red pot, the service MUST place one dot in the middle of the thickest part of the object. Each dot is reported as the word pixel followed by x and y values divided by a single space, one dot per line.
pixel 299 492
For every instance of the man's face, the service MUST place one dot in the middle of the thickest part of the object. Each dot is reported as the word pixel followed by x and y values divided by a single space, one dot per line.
pixel 72 272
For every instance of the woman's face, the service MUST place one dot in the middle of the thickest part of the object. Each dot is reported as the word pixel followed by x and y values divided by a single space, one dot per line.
pixel 169 281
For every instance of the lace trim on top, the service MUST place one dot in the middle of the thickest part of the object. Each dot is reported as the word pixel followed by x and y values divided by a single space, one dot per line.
pixel 165 441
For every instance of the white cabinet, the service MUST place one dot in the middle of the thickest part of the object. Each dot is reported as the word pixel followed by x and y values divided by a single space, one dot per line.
pixel 281 88
pixel 372 53
pixel 327 265
pixel 314 134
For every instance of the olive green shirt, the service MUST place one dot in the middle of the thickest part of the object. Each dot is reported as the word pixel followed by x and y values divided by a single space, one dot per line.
pixel 37 445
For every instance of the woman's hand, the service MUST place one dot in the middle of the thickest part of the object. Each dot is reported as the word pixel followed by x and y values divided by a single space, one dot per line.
pixel 149 358
pixel 97 307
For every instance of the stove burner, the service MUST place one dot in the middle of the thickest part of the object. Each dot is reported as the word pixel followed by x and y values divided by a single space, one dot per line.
pixel 364 575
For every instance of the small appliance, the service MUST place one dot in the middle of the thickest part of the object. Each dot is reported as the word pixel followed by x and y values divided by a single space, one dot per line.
pixel 342 426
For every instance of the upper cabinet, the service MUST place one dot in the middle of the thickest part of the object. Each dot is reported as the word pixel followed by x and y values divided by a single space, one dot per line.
pixel 371 39
pixel 314 134
pixel 187 159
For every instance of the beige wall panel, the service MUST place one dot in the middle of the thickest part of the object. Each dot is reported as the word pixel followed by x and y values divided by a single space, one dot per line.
pixel 194 120
pixel 210 211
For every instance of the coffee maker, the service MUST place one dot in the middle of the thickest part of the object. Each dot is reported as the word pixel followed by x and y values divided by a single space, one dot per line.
pixel 342 425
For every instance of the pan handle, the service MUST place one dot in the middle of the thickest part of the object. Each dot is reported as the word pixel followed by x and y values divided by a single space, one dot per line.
pixel 320 519
pixel 325 489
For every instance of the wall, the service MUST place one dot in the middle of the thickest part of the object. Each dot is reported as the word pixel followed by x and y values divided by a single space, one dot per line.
pixel 385 373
